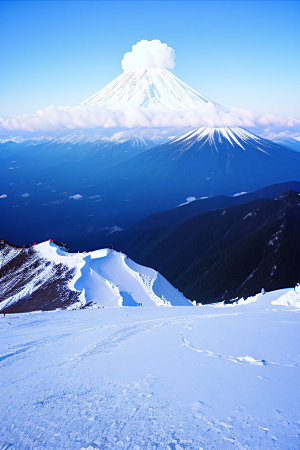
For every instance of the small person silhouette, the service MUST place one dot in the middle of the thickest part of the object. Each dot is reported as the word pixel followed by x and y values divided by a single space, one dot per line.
pixel 111 247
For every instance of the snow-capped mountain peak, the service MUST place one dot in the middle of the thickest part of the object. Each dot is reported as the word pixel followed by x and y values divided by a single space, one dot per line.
pixel 225 135
pixel 154 89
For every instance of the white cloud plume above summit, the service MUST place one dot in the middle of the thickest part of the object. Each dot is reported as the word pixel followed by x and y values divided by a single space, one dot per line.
pixel 149 54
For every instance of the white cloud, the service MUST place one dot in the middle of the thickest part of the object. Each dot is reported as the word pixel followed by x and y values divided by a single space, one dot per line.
pixel 25 195
pixel 3 196
pixel 94 116
pixel 114 229
pixel 149 54
pixel 285 134
pixel 76 196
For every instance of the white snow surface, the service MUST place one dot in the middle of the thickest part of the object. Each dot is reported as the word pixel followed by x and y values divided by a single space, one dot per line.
pixel 152 378
pixel 110 279
pixel 154 89
pixel 291 298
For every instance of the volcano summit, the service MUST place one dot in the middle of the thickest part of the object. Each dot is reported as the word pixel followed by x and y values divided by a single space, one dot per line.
pixel 154 89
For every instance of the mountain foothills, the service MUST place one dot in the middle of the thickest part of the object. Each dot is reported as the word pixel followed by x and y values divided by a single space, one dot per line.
pixel 195 206
pixel 292 142
pixel 45 277
pixel 76 199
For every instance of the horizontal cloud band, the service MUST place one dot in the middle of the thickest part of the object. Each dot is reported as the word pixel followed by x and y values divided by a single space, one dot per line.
pixel 93 116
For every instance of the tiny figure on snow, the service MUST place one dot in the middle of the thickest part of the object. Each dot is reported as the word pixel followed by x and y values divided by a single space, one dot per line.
pixel 111 247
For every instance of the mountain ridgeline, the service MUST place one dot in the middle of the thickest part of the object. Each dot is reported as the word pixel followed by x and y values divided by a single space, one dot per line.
pixel 46 277
pixel 225 253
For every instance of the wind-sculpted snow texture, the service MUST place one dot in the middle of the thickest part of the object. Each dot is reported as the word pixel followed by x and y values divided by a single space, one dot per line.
pixel 154 89
pixel 152 378
pixel 45 277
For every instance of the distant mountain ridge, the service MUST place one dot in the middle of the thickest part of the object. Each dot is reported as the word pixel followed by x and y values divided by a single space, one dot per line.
pixel 124 239
pixel 225 253
pixel 292 142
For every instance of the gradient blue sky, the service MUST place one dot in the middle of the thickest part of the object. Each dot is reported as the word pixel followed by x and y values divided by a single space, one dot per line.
pixel 242 54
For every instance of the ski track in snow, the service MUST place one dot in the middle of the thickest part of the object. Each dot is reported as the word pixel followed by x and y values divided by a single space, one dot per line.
pixel 236 359
pixel 64 384
pixel 103 345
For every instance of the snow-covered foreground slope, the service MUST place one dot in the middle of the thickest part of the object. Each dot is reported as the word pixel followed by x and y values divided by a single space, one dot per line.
pixel 46 277
pixel 211 377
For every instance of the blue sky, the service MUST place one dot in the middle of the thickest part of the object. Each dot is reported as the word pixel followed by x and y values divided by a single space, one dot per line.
pixel 242 54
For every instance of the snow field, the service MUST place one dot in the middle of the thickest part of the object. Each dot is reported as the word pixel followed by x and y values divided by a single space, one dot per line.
pixel 159 378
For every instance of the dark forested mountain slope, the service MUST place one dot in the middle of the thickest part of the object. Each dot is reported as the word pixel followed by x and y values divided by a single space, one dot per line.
pixel 227 253
pixel 161 222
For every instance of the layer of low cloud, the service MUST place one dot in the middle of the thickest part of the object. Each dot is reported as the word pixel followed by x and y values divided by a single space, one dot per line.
pixel 93 116
pixel 149 54
pixel 271 134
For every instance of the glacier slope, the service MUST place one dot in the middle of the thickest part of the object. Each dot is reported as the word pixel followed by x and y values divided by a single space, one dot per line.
pixel 211 377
